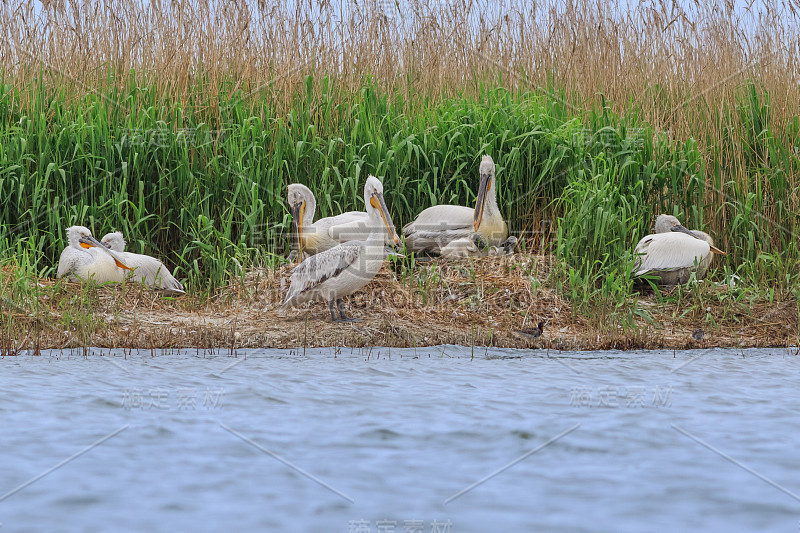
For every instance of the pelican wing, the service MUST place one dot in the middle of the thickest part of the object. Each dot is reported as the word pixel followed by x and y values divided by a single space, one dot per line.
pixel 68 262
pixel 151 272
pixel 321 267
pixel 354 227
pixel 441 218
pixel 344 218
pixel 462 247
pixel 328 232
pixel 436 226
pixel 434 241
pixel 669 251
pixel 357 230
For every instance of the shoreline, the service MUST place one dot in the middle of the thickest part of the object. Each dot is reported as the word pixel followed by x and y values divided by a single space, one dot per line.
pixel 481 302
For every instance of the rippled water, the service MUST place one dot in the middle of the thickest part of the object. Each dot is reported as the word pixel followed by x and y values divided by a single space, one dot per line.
pixel 434 439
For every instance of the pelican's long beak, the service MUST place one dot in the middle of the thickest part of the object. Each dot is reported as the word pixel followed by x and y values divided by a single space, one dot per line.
pixel 480 203
pixel 717 250
pixel 298 210
pixel 90 242
pixel 377 201
pixel 683 229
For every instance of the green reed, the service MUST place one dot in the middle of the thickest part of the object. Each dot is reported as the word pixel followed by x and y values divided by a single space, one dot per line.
pixel 202 185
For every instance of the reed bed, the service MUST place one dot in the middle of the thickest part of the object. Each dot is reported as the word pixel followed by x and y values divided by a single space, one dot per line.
pixel 181 123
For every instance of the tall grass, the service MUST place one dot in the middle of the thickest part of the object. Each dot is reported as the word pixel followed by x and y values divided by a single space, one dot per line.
pixel 181 123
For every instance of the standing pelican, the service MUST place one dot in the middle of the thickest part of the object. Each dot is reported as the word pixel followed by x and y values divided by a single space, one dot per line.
pixel 347 267
pixel 674 252
pixel 85 258
pixel 146 269
pixel 437 226
pixel 325 233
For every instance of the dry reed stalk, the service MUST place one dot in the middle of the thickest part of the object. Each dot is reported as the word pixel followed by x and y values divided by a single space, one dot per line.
pixel 626 51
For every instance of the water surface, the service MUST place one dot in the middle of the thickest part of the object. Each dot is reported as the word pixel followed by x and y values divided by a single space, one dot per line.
pixel 433 439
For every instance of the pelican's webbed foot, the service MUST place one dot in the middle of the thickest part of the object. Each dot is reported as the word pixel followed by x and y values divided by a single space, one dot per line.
pixel 342 316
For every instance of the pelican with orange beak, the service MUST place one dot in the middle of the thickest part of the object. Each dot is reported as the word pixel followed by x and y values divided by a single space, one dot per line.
pixel 315 237
pixel 439 225
pixel 86 258
pixel 146 269
pixel 346 268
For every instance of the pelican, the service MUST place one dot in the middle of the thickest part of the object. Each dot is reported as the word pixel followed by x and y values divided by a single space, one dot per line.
pixel 347 267
pixel 472 246
pixel 437 226
pixel 85 258
pixel 475 246
pixel 146 269
pixel 674 252
pixel 506 247
pixel 325 233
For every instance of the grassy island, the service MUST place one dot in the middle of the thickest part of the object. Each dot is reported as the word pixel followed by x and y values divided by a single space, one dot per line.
pixel 182 125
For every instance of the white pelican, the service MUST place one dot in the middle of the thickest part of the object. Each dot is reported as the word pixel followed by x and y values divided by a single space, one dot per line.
pixel 347 267
pixel 437 226
pixel 674 252
pixel 325 233
pixel 472 246
pixel 475 246
pixel 86 258
pixel 146 269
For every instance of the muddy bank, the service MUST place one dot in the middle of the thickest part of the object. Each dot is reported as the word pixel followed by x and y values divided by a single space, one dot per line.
pixel 483 302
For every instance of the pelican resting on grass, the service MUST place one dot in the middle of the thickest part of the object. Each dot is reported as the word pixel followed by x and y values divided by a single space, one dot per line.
pixel 674 252
pixel 325 233
pixel 146 269
pixel 439 225
pixel 86 258
pixel 475 246
pixel 344 269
